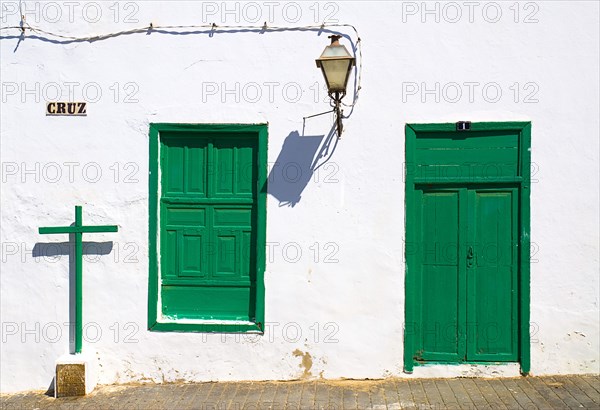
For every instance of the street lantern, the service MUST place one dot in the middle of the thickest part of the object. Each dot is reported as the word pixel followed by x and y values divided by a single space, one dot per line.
pixel 336 63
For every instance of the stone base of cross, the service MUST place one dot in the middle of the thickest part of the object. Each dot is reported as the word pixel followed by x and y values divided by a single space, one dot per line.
pixel 78 229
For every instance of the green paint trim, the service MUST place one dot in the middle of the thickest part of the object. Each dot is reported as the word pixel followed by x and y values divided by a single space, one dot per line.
pixel 525 243
pixel 523 181
pixel 441 362
pixel 410 318
pixel 261 131
pixel 261 225
pixel 475 126
pixel 78 229
pixel 152 225
pixel 467 181
pixel 78 281
pixel 207 328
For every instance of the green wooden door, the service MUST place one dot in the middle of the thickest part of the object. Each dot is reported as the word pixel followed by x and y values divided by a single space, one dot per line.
pixel 467 243
pixel 208 226
pixel 492 274
pixel 467 274
pixel 441 271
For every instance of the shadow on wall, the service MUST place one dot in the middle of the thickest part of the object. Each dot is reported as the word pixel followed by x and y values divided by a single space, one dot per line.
pixel 300 157
pixel 52 252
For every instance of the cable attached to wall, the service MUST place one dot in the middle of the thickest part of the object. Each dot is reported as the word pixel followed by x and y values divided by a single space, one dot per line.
pixel 213 28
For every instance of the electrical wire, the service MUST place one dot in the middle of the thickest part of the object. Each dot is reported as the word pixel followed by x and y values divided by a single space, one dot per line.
pixel 214 28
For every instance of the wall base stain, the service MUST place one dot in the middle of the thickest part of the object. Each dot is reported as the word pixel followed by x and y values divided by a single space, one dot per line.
pixel 306 363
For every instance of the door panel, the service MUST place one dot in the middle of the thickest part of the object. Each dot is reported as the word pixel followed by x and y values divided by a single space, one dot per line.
pixel 208 221
pixel 195 180
pixel 492 278
pixel 234 170
pixel 192 257
pixel 226 255
pixel 440 280
pixel 467 274
pixel 452 157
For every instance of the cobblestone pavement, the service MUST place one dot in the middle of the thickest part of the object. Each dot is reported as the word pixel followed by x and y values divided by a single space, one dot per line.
pixel 556 392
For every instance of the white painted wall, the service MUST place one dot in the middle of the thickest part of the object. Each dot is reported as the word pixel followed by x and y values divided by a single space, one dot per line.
pixel 361 296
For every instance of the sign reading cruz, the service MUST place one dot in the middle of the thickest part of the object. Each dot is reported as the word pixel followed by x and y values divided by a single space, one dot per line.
pixel 56 108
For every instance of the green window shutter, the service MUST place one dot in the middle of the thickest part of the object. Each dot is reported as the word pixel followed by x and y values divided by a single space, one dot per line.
pixel 212 207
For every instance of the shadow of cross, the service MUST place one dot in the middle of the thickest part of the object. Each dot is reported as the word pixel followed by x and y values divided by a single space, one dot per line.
pixel 78 229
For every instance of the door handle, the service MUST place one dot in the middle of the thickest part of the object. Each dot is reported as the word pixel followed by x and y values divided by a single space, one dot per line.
pixel 470 257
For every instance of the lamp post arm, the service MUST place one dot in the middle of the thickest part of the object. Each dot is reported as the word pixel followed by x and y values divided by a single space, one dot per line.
pixel 338 113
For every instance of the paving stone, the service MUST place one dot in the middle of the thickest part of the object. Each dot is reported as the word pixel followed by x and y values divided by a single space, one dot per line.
pixel 556 392
pixel 214 395
pixel 307 400
pixel 460 394
pixel 280 397
pixel 267 398
pixel 363 399
pixel 225 401
pixel 473 391
pixel 518 395
pixel 336 397
pixel 577 393
pixel 321 396
pixel 489 394
pixel 254 396
pixel 390 393
pixel 377 397
pixel 419 398
pixel 349 399
pixel 432 393
pixel 404 393
pixel 587 388
pixel 200 393
pixel 183 397
pixel 294 395
pixel 546 392
pixel 504 396
pixel 447 394
pixel 593 381
pixel 562 391
pixel 241 394
pixel 539 400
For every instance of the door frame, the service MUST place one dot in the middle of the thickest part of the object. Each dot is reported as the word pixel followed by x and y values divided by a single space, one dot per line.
pixel 522 181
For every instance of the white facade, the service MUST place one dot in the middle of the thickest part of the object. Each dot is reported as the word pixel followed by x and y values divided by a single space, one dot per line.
pixel 334 304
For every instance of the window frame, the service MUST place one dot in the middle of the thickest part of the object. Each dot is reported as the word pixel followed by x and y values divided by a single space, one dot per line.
pixel 205 326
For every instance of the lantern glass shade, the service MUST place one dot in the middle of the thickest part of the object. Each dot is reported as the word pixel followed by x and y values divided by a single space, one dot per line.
pixel 336 63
